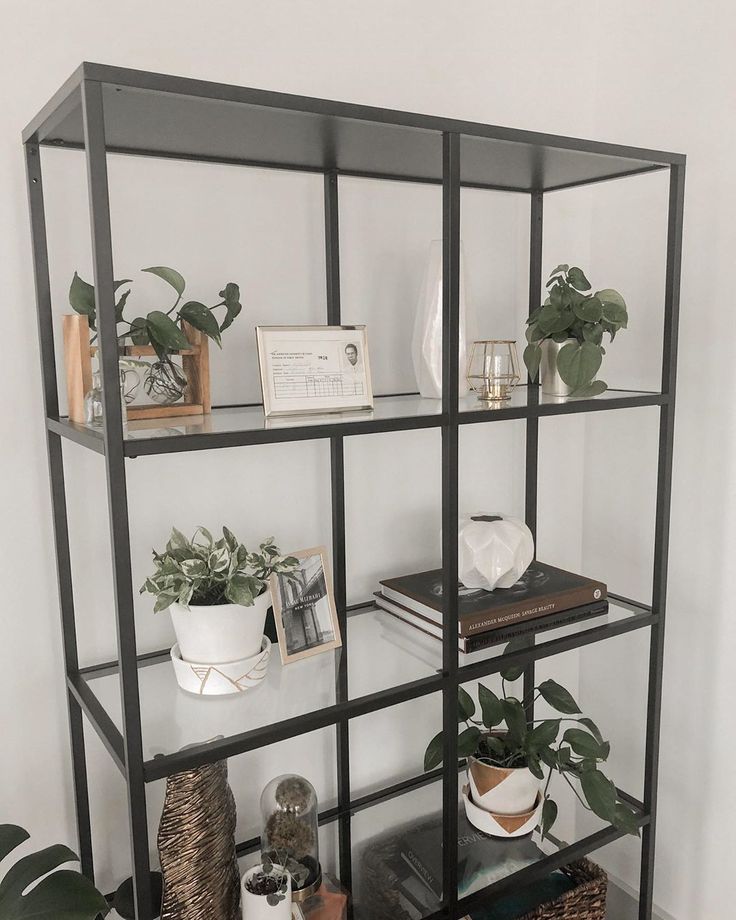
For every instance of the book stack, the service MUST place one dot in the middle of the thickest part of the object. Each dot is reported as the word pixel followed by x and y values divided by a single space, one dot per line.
pixel 487 617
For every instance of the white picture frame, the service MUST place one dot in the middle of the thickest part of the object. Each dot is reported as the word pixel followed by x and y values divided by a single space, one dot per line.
pixel 314 369
pixel 304 607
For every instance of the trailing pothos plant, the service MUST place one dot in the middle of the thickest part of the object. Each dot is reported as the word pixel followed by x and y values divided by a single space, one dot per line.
pixel 209 572
pixel 502 737
pixel 161 328
pixel 35 888
pixel 570 312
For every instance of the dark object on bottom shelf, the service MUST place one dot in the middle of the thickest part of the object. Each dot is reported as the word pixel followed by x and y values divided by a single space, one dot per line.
pixel 123 898
pixel 196 844
pixel 575 892
pixel 401 876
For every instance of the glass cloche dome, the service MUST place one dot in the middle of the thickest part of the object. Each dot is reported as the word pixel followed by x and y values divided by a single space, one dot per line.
pixel 289 831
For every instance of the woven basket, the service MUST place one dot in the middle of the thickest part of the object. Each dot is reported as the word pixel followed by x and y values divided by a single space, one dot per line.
pixel 586 901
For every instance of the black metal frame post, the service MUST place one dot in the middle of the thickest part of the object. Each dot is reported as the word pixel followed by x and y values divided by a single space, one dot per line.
pixel 450 433
pixel 531 483
pixel 661 535
pixel 94 131
pixel 337 468
pixel 58 501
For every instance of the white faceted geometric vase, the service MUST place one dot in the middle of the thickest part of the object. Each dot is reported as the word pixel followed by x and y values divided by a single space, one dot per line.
pixel 426 346
pixel 494 550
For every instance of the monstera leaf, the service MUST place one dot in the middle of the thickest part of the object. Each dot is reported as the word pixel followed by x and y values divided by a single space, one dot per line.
pixel 61 895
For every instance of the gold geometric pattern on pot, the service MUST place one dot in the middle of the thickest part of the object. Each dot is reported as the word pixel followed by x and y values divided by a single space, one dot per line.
pixel 486 776
pixel 251 677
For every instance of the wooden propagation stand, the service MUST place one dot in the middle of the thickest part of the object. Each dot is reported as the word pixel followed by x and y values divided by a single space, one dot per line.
pixel 78 355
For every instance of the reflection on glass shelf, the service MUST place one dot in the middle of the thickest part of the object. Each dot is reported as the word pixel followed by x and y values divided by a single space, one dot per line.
pixel 172 718
pixel 251 419
pixel 524 397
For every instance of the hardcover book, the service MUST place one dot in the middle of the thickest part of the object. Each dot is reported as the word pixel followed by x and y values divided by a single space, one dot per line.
pixel 469 644
pixel 541 590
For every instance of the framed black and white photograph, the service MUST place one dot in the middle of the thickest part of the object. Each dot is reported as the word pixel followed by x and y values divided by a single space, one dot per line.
pixel 304 607
pixel 308 369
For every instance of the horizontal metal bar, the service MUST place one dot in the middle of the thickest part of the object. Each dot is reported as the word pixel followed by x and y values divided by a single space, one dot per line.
pixel 99 719
pixel 555 647
pixel 167 764
pixel 539 870
pixel 568 407
pixel 611 178
pixel 78 433
pixel 217 440
pixel 105 668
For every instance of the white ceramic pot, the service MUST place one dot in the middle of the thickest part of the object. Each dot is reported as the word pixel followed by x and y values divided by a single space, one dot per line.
pixel 256 907
pixel 504 826
pixel 218 635
pixel 502 790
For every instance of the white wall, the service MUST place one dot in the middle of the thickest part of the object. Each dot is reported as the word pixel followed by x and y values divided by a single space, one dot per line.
pixel 658 76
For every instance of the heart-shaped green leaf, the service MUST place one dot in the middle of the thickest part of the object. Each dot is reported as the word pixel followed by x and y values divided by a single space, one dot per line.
pixel 589 310
pixel 609 296
pixel 532 359
pixel 231 295
pixel 169 275
pixel 600 794
pixel 543 734
pixel 616 315
pixel 514 671
pixel 578 363
pixel 555 319
pixel 592 389
pixel 625 819
pixel 82 298
pixel 577 279
pixel 549 816
pixel 584 744
pixel 490 706
pixel 515 718
pixel 557 697
pixel 434 752
pixel 201 317
pixel 139 332
pixel 164 331
pixel 467 741
pixel 465 705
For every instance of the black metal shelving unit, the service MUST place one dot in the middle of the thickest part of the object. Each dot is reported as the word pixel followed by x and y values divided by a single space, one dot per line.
pixel 103 109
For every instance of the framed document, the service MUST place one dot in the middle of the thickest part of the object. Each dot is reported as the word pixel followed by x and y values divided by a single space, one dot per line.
pixel 313 369
pixel 304 607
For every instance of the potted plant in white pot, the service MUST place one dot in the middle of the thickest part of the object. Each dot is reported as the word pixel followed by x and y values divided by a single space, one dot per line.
pixel 217 592
pixel 507 757
pixel 265 892
pixel 565 334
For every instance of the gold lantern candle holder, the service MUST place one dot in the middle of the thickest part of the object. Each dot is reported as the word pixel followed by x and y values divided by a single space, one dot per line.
pixel 493 369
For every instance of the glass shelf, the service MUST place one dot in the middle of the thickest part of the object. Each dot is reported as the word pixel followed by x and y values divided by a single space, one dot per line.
pixel 240 425
pixel 389 662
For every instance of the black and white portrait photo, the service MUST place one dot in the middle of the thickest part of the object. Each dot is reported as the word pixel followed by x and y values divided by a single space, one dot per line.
pixel 304 607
